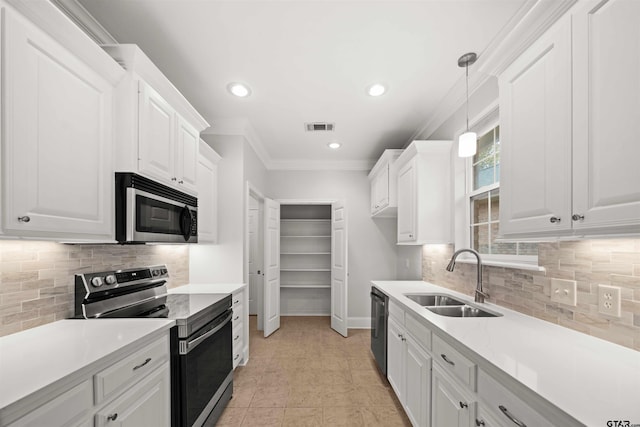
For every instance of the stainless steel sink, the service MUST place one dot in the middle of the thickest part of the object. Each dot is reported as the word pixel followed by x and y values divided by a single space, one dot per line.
pixel 462 311
pixel 432 300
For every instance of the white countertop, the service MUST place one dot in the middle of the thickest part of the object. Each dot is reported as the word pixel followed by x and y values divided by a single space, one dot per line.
pixel 208 288
pixel 38 357
pixel 590 379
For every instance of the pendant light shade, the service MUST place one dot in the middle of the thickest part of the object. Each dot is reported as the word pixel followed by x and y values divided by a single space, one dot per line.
pixel 468 141
pixel 467 144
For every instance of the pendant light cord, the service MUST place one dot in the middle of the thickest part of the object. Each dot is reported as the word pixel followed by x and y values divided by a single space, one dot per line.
pixel 466 67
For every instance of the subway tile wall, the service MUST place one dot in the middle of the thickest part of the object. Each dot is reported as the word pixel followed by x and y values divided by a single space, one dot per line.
pixel 37 278
pixel 589 262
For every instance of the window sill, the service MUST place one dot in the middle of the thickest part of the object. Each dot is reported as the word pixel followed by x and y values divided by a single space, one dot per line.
pixel 504 264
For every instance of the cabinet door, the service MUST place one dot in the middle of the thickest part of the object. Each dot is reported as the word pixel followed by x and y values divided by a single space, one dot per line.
pixel 382 188
pixel 57 138
pixel 450 406
pixel 407 203
pixel 186 156
pixel 145 404
pixel 156 144
pixel 417 383
pixel 207 201
pixel 395 357
pixel 606 67
pixel 535 121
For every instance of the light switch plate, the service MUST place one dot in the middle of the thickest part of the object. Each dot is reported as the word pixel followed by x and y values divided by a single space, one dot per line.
pixel 609 300
pixel 564 291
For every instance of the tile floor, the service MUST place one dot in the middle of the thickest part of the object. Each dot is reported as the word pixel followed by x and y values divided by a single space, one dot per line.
pixel 305 374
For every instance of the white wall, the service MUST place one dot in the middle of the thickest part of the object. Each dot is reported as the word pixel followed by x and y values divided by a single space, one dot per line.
pixel 372 243
pixel 224 262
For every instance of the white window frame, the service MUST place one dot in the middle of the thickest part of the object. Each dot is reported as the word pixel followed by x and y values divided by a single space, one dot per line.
pixel 488 119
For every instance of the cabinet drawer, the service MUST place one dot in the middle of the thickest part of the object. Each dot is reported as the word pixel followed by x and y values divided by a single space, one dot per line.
pixel 66 409
pixel 396 311
pixel 237 300
pixel 237 336
pixel 505 406
pixel 421 333
pixel 238 314
pixel 454 362
pixel 130 369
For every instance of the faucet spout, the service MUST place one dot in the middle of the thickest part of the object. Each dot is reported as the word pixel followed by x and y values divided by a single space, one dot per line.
pixel 480 295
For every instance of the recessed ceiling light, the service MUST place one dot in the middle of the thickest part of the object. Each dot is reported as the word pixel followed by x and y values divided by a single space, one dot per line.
pixel 239 89
pixel 334 145
pixel 376 89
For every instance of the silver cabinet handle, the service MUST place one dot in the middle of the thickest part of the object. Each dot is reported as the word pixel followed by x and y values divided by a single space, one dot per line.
pixel 24 219
pixel 446 359
pixel 509 415
pixel 112 417
pixel 236 358
pixel 577 217
pixel 174 179
pixel 554 219
pixel 236 338
pixel 236 301
pixel 463 405
pixel 411 236
pixel 479 422
pixel 135 368
pixel 236 318
pixel 181 182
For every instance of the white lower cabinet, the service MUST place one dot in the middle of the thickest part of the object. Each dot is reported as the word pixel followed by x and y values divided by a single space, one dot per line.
pixel 145 404
pixel 133 389
pixel 409 369
pixel 240 332
pixel 452 405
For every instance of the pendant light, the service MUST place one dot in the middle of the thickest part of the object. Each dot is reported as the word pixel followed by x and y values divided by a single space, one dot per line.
pixel 468 141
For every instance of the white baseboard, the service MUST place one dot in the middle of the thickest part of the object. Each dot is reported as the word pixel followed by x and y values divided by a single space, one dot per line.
pixel 359 322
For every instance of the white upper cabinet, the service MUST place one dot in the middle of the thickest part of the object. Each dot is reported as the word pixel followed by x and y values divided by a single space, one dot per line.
pixel 383 178
pixel 569 119
pixel 424 193
pixel 57 119
pixel 158 130
pixel 606 116
pixel 207 179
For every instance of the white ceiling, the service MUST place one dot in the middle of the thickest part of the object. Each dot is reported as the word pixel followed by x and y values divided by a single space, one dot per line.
pixel 308 61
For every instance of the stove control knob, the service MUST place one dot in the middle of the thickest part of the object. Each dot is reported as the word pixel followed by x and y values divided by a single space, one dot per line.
pixel 110 279
pixel 97 282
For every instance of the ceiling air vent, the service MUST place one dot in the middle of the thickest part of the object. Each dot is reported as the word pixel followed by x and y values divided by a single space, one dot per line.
pixel 319 127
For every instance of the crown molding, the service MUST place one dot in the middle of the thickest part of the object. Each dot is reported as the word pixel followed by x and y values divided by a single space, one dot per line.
pixel 321 165
pixel 83 19
pixel 530 21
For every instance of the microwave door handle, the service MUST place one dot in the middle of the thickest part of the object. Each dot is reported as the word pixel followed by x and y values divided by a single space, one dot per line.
pixel 186 220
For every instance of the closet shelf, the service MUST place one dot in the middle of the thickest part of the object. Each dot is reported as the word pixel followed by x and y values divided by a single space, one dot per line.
pixel 324 286
pixel 305 253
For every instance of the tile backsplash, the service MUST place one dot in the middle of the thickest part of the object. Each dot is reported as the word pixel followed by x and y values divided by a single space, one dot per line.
pixel 589 262
pixel 37 278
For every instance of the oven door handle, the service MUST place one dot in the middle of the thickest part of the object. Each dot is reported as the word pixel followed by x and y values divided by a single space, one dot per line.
pixel 196 342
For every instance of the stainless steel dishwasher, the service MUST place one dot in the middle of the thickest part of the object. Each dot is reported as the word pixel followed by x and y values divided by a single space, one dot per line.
pixel 379 313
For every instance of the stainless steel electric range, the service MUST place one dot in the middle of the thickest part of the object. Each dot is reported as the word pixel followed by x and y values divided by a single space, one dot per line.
pixel 201 343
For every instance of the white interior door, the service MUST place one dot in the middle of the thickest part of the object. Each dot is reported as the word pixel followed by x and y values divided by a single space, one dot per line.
pixel 254 270
pixel 272 267
pixel 339 268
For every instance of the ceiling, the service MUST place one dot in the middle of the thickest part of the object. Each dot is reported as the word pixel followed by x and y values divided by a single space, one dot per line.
pixel 310 61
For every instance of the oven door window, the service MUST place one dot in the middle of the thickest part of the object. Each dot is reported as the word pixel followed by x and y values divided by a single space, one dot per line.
pixel 155 216
pixel 205 368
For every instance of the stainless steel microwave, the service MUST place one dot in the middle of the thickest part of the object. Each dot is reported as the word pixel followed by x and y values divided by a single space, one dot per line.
pixel 150 212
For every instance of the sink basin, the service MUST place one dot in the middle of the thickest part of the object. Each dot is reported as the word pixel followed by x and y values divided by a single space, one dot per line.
pixel 432 300
pixel 462 311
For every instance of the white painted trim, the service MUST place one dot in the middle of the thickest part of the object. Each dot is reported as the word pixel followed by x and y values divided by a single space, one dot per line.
pixel 306 201
pixel 317 165
pixel 327 314
pixel 359 322
pixel 85 21
pixel 530 22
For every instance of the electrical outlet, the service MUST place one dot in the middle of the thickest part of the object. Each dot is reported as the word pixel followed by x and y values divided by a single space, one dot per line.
pixel 609 300
pixel 564 291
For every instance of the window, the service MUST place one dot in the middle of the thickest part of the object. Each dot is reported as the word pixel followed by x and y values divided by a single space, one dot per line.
pixel 483 202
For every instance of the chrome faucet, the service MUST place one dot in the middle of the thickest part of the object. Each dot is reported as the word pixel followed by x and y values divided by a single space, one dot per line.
pixel 480 294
